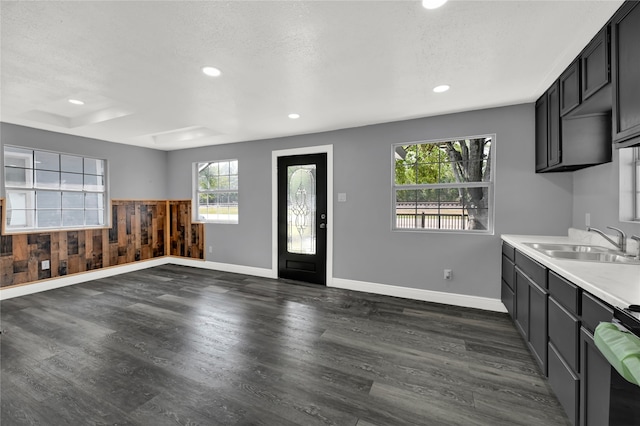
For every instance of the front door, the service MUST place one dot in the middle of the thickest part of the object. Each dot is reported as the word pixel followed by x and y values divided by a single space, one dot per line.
pixel 302 217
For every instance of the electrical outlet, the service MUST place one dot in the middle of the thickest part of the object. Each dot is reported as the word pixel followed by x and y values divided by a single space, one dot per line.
pixel 587 219
pixel 210 249
pixel 448 274
pixel 45 265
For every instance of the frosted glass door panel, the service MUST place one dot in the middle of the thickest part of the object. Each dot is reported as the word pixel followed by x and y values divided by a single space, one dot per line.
pixel 301 209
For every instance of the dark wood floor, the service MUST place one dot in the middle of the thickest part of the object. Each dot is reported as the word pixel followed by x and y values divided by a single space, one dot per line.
pixel 177 345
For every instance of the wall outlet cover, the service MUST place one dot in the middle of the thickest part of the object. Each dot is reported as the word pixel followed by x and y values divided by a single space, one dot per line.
pixel 45 265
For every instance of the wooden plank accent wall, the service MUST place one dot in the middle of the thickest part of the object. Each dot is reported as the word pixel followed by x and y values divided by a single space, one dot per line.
pixel 138 232
pixel 187 239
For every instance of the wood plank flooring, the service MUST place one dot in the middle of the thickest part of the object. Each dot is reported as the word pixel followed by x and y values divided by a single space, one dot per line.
pixel 175 345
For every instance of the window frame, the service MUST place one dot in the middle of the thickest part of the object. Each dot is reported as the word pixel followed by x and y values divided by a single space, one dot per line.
pixel 490 185
pixel 197 192
pixel 32 191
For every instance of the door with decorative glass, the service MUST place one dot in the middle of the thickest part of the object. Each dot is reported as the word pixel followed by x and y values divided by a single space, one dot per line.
pixel 302 217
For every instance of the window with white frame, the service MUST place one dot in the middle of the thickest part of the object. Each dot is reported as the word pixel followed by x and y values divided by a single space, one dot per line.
pixel 50 190
pixel 444 185
pixel 216 194
pixel 636 184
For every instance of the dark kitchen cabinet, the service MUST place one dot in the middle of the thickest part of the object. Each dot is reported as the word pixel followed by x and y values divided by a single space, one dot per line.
pixel 531 306
pixel 625 32
pixel 570 95
pixel 595 381
pixel 548 129
pixel 554 147
pixel 595 64
pixel 538 336
pixel 542 133
pixel 507 292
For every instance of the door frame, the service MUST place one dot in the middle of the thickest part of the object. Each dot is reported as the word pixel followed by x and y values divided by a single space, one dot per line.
pixel 322 149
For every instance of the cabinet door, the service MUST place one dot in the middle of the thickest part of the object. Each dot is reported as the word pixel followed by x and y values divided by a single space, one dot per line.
pixel 554 145
pixel 522 304
pixel 508 299
pixel 595 64
pixel 625 29
pixel 595 381
pixel 570 88
pixel 565 383
pixel 538 334
pixel 542 133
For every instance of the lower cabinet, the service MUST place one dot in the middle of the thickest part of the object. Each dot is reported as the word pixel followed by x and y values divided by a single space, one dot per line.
pixel 557 320
pixel 531 306
pixel 595 383
pixel 538 324
pixel 565 383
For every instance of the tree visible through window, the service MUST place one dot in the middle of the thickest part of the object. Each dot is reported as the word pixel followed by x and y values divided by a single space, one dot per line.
pixel 217 191
pixel 444 185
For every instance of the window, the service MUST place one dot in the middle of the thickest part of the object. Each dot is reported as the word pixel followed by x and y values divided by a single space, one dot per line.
pixel 217 191
pixel 629 169
pixel 636 184
pixel 47 190
pixel 444 185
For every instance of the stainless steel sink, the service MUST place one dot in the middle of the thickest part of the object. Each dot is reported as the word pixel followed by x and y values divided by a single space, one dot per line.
pixel 594 257
pixel 582 252
pixel 570 248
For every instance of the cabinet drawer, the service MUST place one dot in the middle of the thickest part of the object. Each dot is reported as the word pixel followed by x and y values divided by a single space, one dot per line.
pixel 508 251
pixel 532 269
pixel 565 383
pixel 566 293
pixel 564 332
pixel 594 311
pixel 508 298
pixel 508 272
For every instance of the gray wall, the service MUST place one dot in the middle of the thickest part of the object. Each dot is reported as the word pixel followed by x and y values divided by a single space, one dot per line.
pixel 365 248
pixel 134 172
pixel 596 190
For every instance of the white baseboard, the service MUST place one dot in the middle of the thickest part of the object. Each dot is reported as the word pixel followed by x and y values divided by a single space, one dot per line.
pixel 52 283
pixel 463 300
pixel 384 289
pixel 224 267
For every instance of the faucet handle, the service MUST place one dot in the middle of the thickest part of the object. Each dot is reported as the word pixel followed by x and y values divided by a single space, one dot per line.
pixel 620 231
pixel 622 238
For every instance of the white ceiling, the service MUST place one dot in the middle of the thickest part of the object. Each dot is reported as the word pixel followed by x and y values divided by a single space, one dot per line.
pixel 137 65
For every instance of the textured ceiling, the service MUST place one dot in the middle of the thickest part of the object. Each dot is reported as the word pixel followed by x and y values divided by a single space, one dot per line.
pixel 137 65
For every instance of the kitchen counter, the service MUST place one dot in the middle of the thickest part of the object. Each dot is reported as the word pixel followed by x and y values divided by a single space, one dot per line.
pixel 616 284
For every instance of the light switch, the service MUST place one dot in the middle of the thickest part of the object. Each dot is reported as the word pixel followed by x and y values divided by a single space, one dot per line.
pixel 342 197
pixel 45 265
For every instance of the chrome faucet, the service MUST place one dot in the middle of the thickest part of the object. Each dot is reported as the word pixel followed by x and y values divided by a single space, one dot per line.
pixel 622 237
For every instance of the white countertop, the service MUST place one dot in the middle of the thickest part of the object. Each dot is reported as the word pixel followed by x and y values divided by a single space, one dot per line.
pixel 616 284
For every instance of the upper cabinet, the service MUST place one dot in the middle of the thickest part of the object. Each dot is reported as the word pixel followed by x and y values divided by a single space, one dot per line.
pixel 570 95
pixel 625 30
pixel 595 63
pixel 595 103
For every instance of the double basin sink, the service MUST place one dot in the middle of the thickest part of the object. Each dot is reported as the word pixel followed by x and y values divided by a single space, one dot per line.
pixel 582 252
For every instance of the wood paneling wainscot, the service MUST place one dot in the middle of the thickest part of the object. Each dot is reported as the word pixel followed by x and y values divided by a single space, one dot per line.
pixel 187 239
pixel 139 231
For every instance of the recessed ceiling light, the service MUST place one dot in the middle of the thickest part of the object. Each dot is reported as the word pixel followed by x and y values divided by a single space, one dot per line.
pixel 211 71
pixel 76 102
pixel 432 4
pixel 441 88
pixel 294 116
